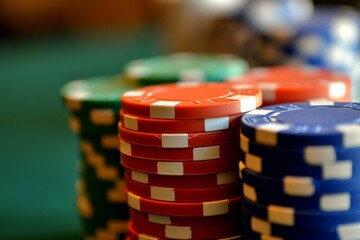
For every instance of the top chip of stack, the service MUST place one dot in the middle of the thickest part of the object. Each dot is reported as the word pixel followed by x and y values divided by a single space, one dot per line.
pixel 283 84
pixel 185 67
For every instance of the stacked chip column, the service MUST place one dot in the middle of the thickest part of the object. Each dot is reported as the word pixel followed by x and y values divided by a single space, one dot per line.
pixel 94 106
pixel 301 171
pixel 180 147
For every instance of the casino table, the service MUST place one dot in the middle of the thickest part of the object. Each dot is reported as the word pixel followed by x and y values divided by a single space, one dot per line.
pixel 38 153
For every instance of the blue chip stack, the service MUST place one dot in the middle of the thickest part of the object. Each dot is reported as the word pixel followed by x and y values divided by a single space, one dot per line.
pixel 301 171
pixel 331 39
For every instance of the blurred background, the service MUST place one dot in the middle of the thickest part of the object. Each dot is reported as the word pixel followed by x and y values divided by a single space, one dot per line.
pixel 44 44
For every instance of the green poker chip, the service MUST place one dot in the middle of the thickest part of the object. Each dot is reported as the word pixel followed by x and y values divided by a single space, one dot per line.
pixel 189 67
pixel 95 93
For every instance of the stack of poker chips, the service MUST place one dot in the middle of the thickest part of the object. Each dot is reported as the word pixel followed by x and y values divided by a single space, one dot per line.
pixel 330 39
pixel 180 146
pixel 301 171
pixel 282 84
pixel 94 105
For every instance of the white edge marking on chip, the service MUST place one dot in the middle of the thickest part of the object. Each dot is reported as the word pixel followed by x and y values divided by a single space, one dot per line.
pixel 337 90
pixel 102 117
pixel 319 155
pixel 134 93
pixel 340 170
pixel 206 153
pixel 281 215
pixel 130 122
pixel 180 140
pixel 143 236
pixel 261 112
pixel 260 226
pixel 268 91
pixel 246 103
pixel 214 124
pixel 216 207
pixel 139 177
pixel 163 109
pixel 178 232
pixel 298 186
pixel 335 202
pixel 351 133
pixel 348 231
pixel 250 192
pixel 244 143
pixel 225 178
pixel 267 133
pixel 170 168
pixel 241 168
pixel 253 162
pixel 321 103
pixel 162 193
pixel 125 147
pixel 154 218
pixel 134 201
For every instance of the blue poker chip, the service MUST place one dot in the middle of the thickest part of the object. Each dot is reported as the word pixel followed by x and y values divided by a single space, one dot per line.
pixel 291 217
pixel 319 161
pixel 342 201
pixel 259 228
pixel 299 186
pixel 295 125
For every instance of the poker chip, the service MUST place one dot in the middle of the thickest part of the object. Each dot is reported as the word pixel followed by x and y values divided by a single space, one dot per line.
pixel 186 221
pixel 338 170
pixel 309 155
pixel 180 168
pixel 288 216
pixel 172 194
pixel 186 181
pixel 299 186
pixel 301 124
pixel 283 84
pixel 186 232
pixel 134 235
pixel 196 125
pixel 191 100
pixel 184 67
pixel 344 201
pixel 177 140
pixel 94 93
pixel 262 229
pixel 209 208
pixel 180 154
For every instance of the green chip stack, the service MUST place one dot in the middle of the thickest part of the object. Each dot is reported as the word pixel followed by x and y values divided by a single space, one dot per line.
pixel 188 67
pixel 94 106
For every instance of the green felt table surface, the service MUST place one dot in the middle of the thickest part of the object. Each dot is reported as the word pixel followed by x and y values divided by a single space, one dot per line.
pixel 38 153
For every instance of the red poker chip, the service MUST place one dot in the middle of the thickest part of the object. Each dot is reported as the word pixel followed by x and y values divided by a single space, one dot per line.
pixel 208 208
pixel 154 125
pixel 186 221
pixel 172 194
pixel 187 232
pixel 178 140
pixel 172 168
pixel 206 180
pixel 134 235
pixel 282 84
pixel 180 154
pixel 191 100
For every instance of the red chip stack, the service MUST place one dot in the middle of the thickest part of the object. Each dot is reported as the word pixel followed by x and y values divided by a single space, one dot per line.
pixel 180 150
